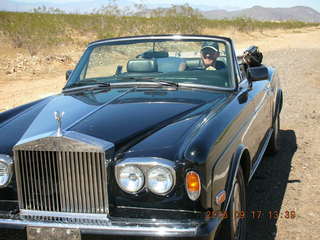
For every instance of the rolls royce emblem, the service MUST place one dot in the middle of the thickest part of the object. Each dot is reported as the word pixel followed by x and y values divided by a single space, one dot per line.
pixel 58 116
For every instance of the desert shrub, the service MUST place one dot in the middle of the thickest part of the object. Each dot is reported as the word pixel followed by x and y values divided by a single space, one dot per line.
pixel 47 27
pixel 32 31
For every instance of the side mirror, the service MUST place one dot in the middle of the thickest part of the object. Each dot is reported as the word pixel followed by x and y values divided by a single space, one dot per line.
pixel 68 73
pixel 258 73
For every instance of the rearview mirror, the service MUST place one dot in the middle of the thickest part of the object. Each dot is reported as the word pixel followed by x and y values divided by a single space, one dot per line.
pixel 258 73
pixel 68 73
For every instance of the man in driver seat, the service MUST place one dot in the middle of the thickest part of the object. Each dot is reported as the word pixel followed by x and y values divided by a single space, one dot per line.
pixel 209 55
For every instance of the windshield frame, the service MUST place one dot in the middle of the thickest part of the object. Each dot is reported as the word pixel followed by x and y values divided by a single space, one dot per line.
pixel 140 39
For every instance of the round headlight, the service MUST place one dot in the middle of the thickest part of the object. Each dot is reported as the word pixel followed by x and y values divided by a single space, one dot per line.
pixel 5 170
pixel 131 179
pixel 160 180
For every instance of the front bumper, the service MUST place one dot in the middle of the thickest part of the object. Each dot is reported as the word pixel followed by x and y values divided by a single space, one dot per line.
pixel 122 229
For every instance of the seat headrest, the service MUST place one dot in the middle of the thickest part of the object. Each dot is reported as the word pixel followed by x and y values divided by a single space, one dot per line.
pixel 142 65
pixel 155 54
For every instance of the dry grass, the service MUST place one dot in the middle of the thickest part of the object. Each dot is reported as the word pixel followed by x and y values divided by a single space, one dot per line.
pixel 37 31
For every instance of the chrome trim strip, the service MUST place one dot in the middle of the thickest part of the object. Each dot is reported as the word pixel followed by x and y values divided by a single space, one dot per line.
pixel 160 209
pixel 94 160
pixel 31 200
pixel 51 177
pixel 87 191
pixel 99 184
pixel 39 180
pixel 82 183
pixel 77 180
pixel 89 157
pixel 22 193
pixel 62 182
pixel 71 142
pixel 169 37
pixel 104 178
pixel 70 183
pixel 65 182
pixel 70 215
pixel 27 189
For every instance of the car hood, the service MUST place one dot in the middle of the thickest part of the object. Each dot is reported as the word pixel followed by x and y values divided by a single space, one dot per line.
pixel 120 115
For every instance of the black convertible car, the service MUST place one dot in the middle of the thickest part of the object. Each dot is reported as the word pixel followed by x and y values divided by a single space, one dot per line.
pixel 146 141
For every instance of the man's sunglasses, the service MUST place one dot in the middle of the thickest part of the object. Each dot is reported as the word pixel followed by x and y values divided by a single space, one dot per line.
pixel 207 56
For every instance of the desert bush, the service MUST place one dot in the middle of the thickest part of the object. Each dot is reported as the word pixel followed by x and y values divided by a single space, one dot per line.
pixel 47 27
pixel 32 31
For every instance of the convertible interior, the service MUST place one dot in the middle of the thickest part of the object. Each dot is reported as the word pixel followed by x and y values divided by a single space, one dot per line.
pixel 153 63
pixel 161 61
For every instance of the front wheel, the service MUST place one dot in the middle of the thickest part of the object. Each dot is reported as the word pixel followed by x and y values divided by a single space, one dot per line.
pixel 234 226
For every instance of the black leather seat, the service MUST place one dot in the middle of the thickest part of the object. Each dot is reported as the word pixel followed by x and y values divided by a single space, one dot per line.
pixel 140 65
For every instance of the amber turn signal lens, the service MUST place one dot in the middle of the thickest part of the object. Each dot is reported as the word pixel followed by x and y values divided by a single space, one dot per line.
pixel 193 185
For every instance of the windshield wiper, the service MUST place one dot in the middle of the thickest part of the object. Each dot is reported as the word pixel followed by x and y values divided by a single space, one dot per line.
pixel 86 84
pixel 89 84
pixel 168 83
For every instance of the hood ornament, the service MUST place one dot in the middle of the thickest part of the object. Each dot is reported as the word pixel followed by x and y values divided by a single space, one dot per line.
pixel 58 116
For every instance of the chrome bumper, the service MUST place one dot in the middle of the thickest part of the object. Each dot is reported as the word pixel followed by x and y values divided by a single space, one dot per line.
pixel 150 228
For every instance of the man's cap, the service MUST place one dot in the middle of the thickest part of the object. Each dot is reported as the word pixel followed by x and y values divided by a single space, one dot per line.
pixel 210 43
pixel 208 51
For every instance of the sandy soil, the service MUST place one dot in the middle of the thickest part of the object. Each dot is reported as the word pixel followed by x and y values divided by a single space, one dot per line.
pixel 287 181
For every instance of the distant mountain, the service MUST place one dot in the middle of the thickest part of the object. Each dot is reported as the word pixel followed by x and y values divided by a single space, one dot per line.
pixel 71 7
pixel 299 13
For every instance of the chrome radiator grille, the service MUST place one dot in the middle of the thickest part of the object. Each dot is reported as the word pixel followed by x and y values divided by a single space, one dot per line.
pixel 72 182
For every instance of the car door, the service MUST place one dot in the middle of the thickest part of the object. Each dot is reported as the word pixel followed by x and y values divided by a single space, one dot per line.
pixel 260 114
pixel 263 117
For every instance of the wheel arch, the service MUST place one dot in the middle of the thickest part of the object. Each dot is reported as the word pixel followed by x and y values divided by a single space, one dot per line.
pixel 241 158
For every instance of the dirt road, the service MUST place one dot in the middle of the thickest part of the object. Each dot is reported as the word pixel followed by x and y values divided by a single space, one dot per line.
pixel 288 181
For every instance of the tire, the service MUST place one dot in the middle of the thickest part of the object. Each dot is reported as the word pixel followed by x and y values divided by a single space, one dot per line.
pixel 273 146
pixel 234 226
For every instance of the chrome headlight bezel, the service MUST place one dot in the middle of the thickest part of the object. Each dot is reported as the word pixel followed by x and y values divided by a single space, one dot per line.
pixel 8 162
pixel 145 164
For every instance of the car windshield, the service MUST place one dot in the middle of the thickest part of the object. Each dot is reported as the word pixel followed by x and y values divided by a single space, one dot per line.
pixel 184 61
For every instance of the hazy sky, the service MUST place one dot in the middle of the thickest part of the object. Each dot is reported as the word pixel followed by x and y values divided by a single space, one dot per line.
pixel 230 4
